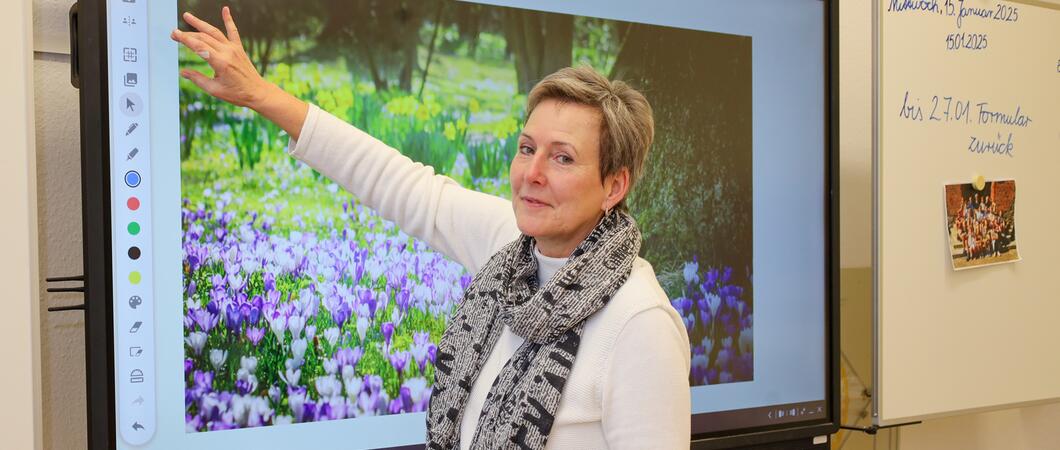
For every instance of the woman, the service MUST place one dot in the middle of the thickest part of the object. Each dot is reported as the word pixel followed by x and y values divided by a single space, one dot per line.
pixel 564 336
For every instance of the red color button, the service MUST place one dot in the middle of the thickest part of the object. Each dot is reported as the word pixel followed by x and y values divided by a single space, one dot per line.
pixel 133 203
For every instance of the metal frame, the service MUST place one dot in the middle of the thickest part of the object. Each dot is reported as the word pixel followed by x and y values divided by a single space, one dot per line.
pixel 91 71
pixel 91 64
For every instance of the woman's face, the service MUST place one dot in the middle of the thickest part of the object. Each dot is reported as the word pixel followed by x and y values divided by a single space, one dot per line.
pixel 557 192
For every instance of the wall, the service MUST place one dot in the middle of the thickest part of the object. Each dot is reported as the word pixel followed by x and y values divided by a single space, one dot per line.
pixel 58 175
pixel 20 417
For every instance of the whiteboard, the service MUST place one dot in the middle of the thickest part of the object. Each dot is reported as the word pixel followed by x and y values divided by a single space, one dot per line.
pixel 965 88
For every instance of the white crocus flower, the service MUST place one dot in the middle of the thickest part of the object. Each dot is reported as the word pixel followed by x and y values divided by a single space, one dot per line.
pixel 217 358
pixel 332 335
pixel 196 340
pixel 331 366
pixel 328 386
pixel 296 323
pixel 249 363
pixel 362 327
pixel 298 348
pixel 278 325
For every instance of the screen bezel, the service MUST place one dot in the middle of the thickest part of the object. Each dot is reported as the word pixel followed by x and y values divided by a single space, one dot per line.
pixel 91 38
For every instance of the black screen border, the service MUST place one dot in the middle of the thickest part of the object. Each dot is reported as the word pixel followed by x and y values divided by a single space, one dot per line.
pixel 91 66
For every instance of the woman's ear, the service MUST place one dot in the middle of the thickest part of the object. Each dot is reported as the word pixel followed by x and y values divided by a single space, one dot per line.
pixel 616 186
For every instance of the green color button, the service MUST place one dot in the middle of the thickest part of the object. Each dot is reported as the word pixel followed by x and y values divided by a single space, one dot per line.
pixel 134 278
pixel 134 228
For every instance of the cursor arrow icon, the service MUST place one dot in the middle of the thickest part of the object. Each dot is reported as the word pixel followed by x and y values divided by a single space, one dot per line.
pixel 129 104
pixel 137 426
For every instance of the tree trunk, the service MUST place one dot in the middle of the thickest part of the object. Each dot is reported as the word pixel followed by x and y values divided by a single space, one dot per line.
pixel 265 55
pixel 373 69
pixel 540 43
pixel 430 49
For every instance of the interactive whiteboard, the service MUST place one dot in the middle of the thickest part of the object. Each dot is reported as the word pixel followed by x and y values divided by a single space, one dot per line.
pixel 966 88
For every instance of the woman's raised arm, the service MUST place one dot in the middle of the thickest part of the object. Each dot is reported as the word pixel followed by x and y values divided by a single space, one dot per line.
pixel 235 79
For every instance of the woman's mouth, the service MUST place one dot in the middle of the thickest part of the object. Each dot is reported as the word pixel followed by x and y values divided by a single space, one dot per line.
pixel 535 203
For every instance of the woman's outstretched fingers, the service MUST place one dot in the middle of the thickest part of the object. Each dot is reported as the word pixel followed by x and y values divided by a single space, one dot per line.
pixel 202 81
pixel 198 43
pixel 230 25
pixel 205 27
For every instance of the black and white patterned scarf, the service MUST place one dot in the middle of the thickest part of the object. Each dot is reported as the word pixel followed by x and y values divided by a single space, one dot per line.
pixel 521 405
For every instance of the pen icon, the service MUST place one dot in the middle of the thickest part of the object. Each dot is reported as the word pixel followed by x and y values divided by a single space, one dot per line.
pixel 132 153
pixel 132 127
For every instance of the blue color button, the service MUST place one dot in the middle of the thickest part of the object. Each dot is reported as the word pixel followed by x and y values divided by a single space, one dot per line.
pixel 132 178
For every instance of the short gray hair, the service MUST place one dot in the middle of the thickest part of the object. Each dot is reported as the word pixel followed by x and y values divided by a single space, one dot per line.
pixel 627 127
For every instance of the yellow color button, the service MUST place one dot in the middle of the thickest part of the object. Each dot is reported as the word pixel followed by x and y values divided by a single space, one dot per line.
pixel 134 277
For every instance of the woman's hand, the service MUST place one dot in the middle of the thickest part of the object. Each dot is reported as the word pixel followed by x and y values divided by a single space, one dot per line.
pixel 236 80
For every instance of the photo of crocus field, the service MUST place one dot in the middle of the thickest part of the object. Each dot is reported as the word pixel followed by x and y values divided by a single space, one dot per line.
pixel 303 305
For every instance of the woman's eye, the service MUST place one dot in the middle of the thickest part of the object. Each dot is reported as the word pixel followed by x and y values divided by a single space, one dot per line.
pixel 526 149
pixel 564 159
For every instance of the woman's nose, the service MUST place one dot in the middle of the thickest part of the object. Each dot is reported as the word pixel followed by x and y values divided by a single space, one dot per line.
pixel 535 171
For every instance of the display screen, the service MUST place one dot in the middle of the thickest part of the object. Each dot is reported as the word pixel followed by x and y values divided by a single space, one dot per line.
pixel 258 304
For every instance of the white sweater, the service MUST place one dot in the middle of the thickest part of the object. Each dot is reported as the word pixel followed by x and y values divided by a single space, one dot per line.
pixel 629 384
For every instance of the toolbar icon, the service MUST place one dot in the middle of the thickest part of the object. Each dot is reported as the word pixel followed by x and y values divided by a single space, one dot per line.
pixel 132 178
pixel 135 277
pixel 131 79
pixel 132 127
pixel 128 54
pixel 139 401
pixel 133 203
pixel 135 301
pixel 134 253
pixel 136 376
pixel 137 427
pixel 128 20
pixel 130 104
pixel 136 326
pixel 132 153
pixel 136 351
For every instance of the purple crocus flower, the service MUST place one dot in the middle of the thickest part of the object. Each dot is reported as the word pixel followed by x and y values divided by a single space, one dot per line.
pixel 255 335
pixel 233 318
pixel 395 406
pixel 399 360
pixel 349 356
pixel 417 392
pixel 387 328
pixel 254 315
pixel 269 280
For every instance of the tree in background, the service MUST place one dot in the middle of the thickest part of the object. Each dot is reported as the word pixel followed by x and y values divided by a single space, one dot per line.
pixel 379 38
pixel 264 25
pixel 696 192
